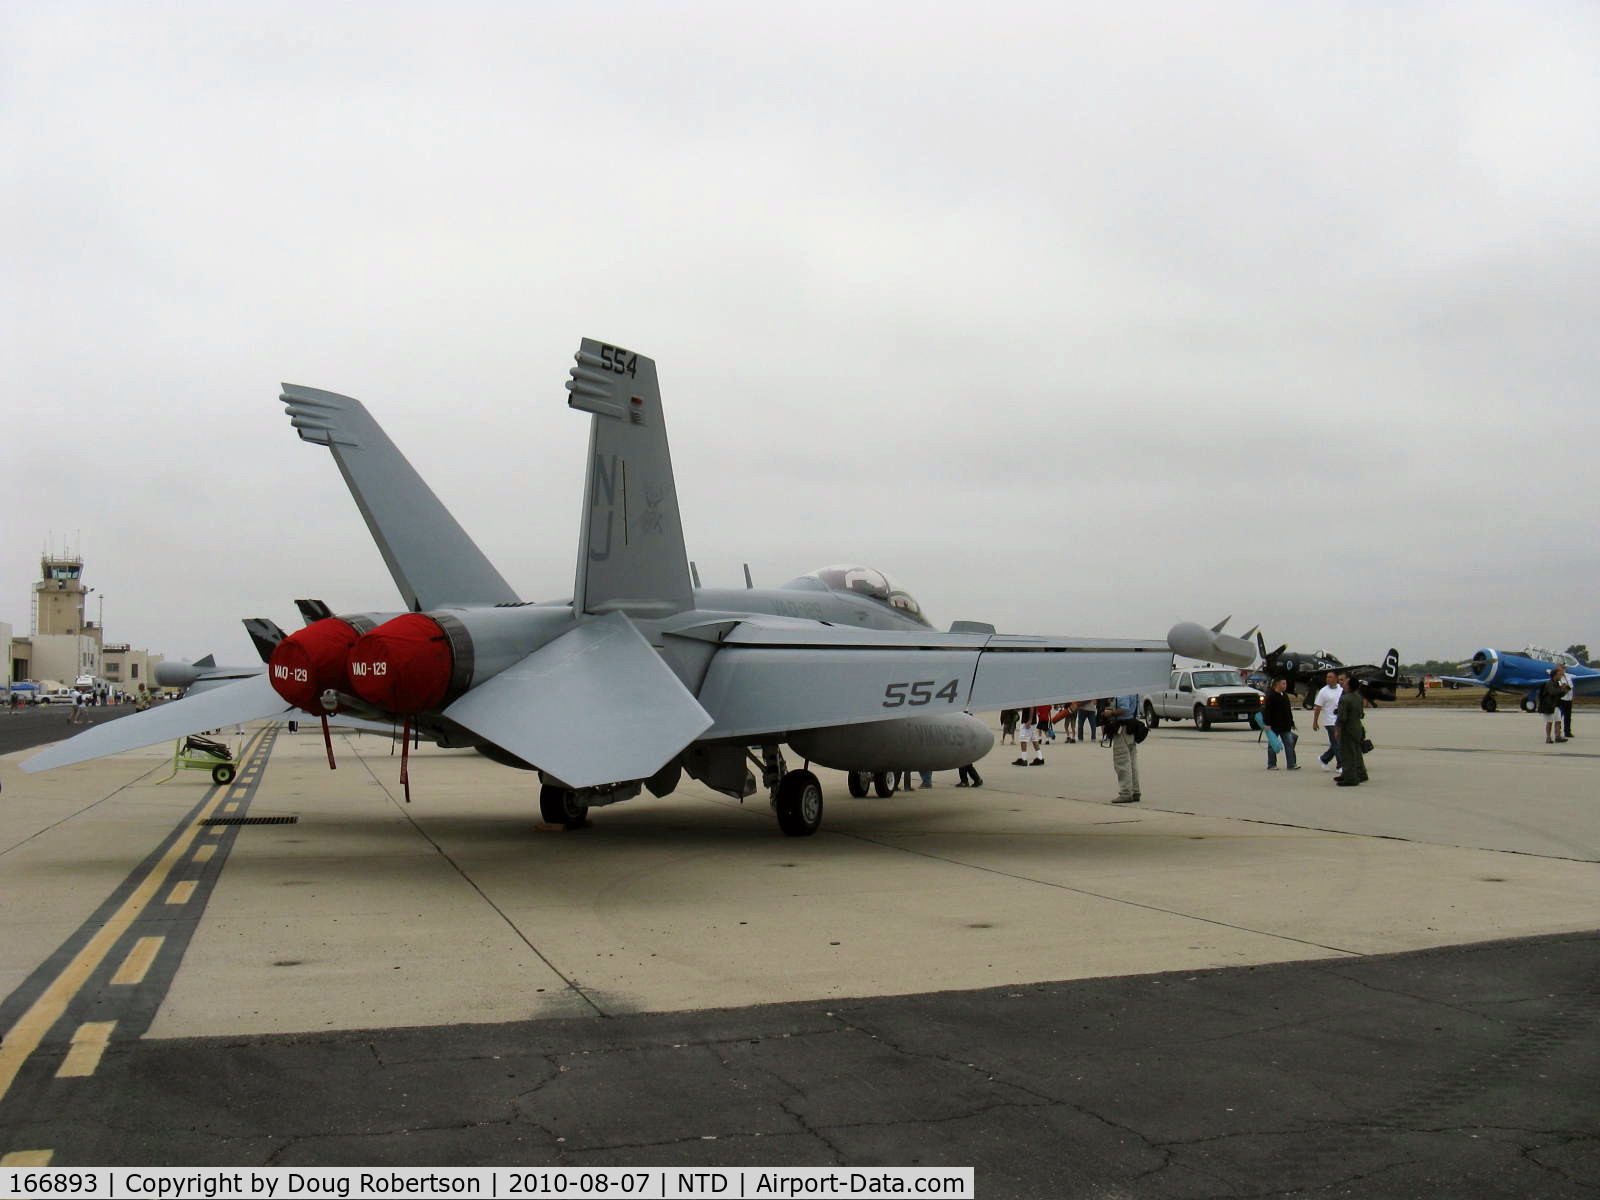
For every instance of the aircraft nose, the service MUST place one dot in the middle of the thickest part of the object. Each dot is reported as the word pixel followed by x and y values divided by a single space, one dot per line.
pixel 1482 665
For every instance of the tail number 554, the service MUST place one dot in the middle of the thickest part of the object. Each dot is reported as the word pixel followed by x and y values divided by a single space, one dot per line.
pixel 914 695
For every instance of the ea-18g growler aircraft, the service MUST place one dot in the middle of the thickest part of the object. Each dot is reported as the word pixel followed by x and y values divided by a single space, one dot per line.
pixel 839 666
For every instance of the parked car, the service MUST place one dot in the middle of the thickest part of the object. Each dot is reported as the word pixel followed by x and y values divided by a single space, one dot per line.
pixel 1205 694
pixel 62 696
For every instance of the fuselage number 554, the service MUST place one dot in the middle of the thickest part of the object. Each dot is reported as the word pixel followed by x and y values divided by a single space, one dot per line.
pixel 913 695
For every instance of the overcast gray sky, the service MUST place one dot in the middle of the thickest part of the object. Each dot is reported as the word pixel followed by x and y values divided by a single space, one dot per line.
pixel 1076 318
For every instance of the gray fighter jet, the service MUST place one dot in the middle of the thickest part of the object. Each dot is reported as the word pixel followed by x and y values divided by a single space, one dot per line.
pixel 641 677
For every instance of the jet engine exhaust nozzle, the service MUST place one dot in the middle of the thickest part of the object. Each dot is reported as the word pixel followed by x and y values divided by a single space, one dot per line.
pixel 312 661
pixel 409 665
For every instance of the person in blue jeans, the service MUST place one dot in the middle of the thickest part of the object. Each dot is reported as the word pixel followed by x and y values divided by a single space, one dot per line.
pixel 1326 715
pixel 1088 715
pixel 1279 714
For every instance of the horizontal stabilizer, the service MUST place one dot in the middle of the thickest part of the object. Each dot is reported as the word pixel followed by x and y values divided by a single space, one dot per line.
pixel 595 706
pixel 265 633
pixel 246 700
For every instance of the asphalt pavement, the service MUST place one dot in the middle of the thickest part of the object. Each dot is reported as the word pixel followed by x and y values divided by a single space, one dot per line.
pixel 1252 984
pixel 1461 1072
pixel 38 725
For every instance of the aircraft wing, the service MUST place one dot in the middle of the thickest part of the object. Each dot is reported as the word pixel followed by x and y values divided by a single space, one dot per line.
pixel 210 683
pixel 246 700
pixel 769 677
pixel 1585 685
pixel 1467 679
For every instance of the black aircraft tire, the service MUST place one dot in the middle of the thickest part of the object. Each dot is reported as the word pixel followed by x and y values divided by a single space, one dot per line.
pixel 1150 717
pixel 1488 703
pixel 799 804
pixel 859 782
pixel 1202 719
pixel 883 784
pixel 1528 704
pixel 222 774
pixel 560 806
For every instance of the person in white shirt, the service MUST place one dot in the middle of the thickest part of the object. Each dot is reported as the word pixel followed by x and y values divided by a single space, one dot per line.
pixel 1326 713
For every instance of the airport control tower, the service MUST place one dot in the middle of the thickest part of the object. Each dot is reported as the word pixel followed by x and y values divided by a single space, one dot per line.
pixel 59 597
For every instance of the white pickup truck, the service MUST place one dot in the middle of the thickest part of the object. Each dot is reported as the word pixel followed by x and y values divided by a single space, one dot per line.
pixel 1204 694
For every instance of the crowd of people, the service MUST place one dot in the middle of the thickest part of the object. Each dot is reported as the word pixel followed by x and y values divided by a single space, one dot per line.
pixel 83 699
pixel 1339 709
pixel 1112 720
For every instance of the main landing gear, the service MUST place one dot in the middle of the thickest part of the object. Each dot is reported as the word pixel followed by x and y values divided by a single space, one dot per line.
pixel 1488 703
pixel 861 782
pixel 796 795
pixel 562 806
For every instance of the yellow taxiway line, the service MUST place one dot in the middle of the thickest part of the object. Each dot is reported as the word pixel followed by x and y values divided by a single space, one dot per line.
pixel 23 1038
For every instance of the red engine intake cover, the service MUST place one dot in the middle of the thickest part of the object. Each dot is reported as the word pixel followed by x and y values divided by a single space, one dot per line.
pixel 404 665
pixel 308 663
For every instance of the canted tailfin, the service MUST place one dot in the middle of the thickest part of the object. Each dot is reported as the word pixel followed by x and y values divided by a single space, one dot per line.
pixel 432 559
pixel 631 557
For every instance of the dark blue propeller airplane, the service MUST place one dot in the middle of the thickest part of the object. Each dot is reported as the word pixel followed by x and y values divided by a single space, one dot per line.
pixel 1307 672
pixel 1522 672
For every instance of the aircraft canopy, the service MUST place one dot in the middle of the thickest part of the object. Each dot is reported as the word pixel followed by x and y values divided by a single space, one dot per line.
pixel 874 584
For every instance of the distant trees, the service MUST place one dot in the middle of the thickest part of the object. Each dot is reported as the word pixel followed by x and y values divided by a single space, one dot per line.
pixel 1579 651
pixel 1434 667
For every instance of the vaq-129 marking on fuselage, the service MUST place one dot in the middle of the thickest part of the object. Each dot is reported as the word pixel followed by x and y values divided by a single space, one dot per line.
pixel 839 665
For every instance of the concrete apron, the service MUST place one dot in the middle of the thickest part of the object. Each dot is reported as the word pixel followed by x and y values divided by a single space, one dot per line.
pixel 367 912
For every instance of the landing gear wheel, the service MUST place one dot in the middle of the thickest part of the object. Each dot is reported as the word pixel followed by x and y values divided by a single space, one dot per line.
pixel 883 784
pixel 1528 704
pixel 561 806
pixel 222 774
pixel 1150 717
pixel 1202 719
pixel 858 782
pixel 1488 703
pixel 799 804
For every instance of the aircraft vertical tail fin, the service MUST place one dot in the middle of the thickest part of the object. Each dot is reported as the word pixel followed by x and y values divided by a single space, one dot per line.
pixel 1391 664
pixel 631 555
pixel 432 559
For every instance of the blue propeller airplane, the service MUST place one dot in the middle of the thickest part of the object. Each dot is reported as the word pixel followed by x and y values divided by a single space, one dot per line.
pixel 1524 672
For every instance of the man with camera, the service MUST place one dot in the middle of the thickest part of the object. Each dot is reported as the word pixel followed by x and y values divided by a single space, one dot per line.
pixel 1121 729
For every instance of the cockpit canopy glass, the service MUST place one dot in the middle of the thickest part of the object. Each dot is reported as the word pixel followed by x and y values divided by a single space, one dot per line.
pixel 875 585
